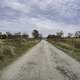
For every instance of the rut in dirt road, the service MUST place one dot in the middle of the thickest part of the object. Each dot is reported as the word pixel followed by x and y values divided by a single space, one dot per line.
pixel 43 62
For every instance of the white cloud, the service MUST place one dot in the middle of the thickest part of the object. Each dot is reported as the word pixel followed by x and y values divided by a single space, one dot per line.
pixel 63 7
pixel 14 4
pixel 45 26
pixel 26 23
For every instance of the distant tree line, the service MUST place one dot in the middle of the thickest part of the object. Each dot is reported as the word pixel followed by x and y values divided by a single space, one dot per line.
pixel 36 34
pixel 73 39
pixel 9 35
pixel 18 35
pixel 60 34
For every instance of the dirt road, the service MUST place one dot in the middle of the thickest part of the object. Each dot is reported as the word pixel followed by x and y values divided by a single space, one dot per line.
pixel 43 62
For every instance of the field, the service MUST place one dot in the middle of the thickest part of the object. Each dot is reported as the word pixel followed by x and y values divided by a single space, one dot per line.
pixel 75 42
pixel 10 50
pixel 70 46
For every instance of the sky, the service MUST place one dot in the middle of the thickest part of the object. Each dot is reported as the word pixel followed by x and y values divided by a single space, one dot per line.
pixel 47 16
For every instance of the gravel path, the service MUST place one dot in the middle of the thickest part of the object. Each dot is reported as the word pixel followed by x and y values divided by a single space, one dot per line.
pixel 43 62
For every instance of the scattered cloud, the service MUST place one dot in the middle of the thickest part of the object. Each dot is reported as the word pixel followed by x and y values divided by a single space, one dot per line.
pixel 48 16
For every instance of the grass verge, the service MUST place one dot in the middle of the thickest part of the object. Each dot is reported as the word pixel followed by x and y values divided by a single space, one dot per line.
pixel 70 50
pixel 10 50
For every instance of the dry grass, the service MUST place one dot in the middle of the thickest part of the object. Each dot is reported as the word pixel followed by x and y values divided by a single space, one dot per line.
pixel 66 45
pixel 10 50
pixel 73 42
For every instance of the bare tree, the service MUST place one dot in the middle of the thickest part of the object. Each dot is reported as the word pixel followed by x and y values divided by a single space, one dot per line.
pixel 77 34
pixel 25 36
pixel 60 34
pixel 17 35
pixel 9 35
pixel 70 35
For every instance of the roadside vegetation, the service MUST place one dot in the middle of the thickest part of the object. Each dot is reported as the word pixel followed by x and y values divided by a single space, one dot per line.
pixel 13 46
pixel 69 44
